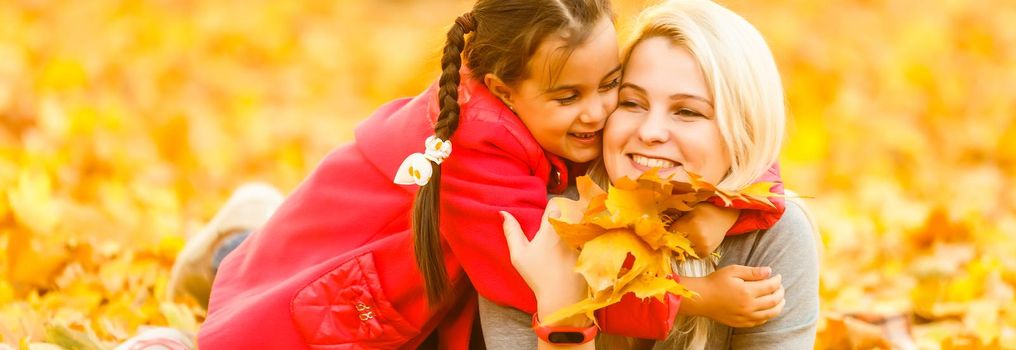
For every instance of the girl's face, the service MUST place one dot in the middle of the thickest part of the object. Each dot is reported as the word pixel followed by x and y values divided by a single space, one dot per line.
pixel 665 118
pixel 565 109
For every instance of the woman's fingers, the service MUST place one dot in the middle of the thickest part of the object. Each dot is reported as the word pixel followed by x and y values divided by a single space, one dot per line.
pixel 553 210
pixel 513 233
pixel 546 230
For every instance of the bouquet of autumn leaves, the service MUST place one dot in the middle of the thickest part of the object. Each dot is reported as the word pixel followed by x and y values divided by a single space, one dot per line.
pixel 624 235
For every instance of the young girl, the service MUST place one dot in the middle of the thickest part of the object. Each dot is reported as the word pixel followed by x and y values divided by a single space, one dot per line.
pixel 700 93
pixel 525 90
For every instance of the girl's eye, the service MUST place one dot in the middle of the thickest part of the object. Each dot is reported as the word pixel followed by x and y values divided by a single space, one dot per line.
pixel 567 100
pixel 611 85
pixel 685 112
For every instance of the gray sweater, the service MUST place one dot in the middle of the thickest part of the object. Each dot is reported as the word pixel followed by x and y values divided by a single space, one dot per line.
pixel 789 247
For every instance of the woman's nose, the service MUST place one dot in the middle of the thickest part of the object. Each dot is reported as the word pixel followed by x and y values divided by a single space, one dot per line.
pixel 654 129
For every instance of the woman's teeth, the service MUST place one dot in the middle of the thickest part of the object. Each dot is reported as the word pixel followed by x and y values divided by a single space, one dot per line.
pixel 584 135
pixel 652 162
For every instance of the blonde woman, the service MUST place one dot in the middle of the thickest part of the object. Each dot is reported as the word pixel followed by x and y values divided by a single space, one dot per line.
pixel 700 93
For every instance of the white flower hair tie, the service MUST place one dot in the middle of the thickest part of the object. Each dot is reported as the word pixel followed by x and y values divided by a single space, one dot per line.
pixel 416 169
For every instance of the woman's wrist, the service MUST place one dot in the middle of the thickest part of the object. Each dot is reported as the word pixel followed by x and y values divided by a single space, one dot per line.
pixel 546 305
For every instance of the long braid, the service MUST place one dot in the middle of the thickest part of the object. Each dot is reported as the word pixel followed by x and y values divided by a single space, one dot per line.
pixel 426 208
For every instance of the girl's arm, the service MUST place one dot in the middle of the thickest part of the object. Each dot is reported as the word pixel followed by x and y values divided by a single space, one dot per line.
pixel 708 223
pixel 706 227
pixel 488 173
pixel 755 216
pixel 735 295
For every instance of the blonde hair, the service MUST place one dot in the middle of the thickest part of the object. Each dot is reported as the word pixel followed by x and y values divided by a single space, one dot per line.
pixel 741 74
pixel 748 99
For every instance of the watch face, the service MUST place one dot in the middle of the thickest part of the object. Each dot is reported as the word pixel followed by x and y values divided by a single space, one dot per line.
pixel 566 337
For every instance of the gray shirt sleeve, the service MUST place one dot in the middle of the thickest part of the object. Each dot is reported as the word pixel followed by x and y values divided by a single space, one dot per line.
pixel 789 247
pixel 505 328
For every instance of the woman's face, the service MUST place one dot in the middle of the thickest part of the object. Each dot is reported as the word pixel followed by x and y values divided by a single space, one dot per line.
pixel 565 109
pixel 665 118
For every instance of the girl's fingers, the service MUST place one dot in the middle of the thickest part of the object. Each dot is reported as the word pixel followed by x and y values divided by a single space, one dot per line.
pixel 767 286
pixel 751 273
pixel 770 301
pixel 513 233
pixel 766 315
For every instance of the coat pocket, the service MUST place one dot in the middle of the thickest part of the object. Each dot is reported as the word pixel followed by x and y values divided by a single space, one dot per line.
pixel 346 309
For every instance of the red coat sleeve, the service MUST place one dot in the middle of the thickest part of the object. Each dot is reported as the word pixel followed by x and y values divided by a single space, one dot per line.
pixel 756 216
pixel 488 171
pixel 634 317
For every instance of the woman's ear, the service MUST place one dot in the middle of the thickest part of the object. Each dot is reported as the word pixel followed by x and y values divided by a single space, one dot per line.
pixel 499 89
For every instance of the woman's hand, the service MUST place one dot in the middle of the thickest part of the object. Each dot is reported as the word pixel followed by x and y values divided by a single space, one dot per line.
pixel 736 295
pixel 547 265
pixel 706 225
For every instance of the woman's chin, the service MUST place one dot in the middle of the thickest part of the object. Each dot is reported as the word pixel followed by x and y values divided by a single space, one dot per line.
pixel 674 173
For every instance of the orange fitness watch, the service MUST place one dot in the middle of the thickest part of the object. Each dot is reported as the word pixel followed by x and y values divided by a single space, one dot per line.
pixel 563 335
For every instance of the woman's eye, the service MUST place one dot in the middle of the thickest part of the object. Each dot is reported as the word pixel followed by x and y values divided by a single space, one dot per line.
pixel 629 104
pixel 567 100
pixel 611 85
pixel 685 112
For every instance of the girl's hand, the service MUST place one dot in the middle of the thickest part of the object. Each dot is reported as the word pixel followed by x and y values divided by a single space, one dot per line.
pixel 706 225
pixel 736 295
pixel 547 265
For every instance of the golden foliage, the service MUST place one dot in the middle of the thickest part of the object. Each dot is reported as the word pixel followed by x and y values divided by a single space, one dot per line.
pixel 624 238
pixel 125 125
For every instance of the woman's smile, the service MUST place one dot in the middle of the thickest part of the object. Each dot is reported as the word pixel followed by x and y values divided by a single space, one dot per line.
pixel 645 162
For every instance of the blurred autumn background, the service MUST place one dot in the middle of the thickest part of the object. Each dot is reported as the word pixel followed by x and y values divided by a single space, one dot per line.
pixel 125 124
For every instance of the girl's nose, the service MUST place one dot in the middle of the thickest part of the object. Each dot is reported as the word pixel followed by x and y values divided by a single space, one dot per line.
pixel 595 111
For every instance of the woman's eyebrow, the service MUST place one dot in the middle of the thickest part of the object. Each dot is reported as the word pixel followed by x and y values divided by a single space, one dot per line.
pixel 634 87
pixel 691 96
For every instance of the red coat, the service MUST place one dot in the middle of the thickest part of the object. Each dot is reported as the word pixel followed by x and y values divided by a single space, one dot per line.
pixel 334 267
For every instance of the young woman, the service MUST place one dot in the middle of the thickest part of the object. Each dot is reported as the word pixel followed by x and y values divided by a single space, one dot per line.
pixel 523 97
pixel 700 93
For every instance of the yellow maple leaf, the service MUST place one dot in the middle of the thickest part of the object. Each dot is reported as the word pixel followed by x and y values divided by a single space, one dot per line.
pixel 754 193
pixel 627 205
pixel 601 258
pixel 629 223
pixel 575 235
pixel 585 307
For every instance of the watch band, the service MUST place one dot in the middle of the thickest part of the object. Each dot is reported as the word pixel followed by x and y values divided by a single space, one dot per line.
pixel 563 335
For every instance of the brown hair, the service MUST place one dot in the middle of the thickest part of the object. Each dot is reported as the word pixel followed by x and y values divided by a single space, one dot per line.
pixel 505 35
